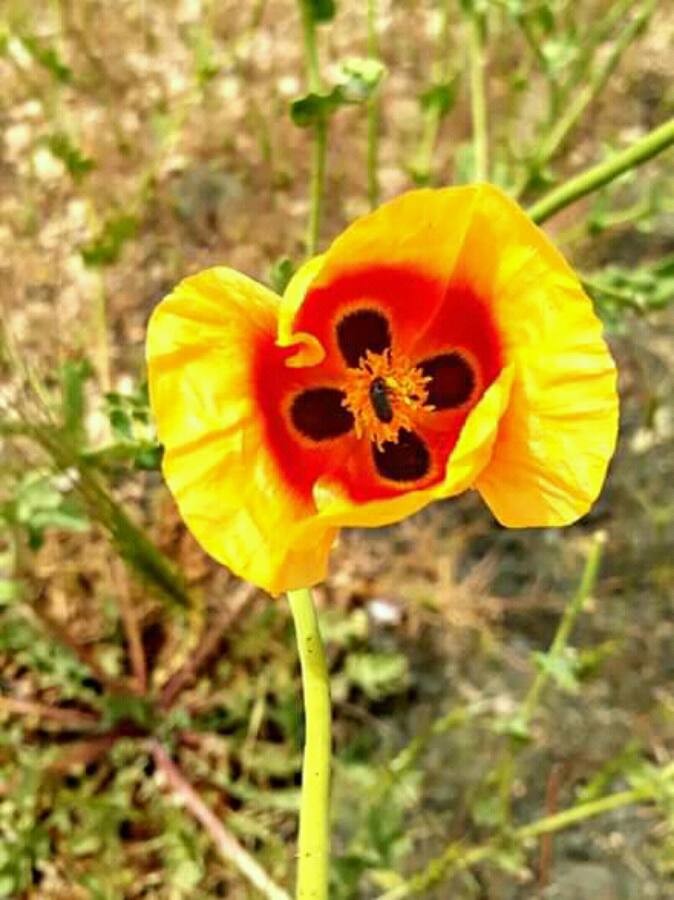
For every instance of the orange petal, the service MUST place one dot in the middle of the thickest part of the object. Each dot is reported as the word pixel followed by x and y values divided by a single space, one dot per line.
pixel 200 346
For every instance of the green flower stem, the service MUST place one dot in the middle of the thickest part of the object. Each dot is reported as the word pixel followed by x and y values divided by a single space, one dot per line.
pixel 506 768
pixel 459 857
pixel 320 130
pixel 422 162
pixel 569 616
pixel 314 839
pixel 642 150
pixel 372 111
pixel 477 27
pixel 582 98
pixel 317 186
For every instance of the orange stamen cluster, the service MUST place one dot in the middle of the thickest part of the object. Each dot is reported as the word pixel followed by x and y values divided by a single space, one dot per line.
pixel 406 392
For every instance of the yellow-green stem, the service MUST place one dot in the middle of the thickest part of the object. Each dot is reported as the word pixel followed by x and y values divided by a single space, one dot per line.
pixel 372 111
pixel 506 770
pixel 582 98
pixel 569 616
pixel 317 184
pixel 478 101
pixel 422 163
pixel 320 130
pixel 459 856
pixel 314 838
pixel 592 179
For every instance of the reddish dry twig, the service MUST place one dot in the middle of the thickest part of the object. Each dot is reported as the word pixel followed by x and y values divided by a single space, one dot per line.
pixel 131 629
pixel 225 842
pixel 545 859
pixel 72 718
pixel 208 645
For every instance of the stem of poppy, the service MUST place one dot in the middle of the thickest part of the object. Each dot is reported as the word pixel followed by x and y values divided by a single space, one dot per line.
pixel 478 103
pixel 314 838
pixel 372 111
pixel 642 150
pixel 320 128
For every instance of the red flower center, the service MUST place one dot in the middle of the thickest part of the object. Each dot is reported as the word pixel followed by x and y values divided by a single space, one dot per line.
pixel 384 409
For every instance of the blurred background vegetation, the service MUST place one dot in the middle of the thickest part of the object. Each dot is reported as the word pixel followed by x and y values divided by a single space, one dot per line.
pixel 150 707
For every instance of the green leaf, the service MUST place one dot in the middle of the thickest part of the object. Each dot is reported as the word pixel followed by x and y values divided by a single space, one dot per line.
pixel 48 58
pixel 127 707
pixel 321 10
pixel 514 727
pixel 38 504
pixel 187 874
pixel 378 675
pixel 7 884
pixel 120 423
pixel 280 273
pixel 67 517
pixel 561 667
pixel 206 65
pixel 306 111
pixel 486 808
pixel 559 53
pixel 440 97
pixel 511 859
pixel 10 590
pixel 132 426
pixel 148 458
pixel 107 246
pixel 62 147
pixel 74 374
pixel 358 79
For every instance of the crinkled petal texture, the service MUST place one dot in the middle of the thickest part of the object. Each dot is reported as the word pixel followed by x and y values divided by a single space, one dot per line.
pixel 201 344
pixel 455 289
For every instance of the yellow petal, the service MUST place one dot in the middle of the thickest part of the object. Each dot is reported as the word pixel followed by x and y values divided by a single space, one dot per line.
pixel 310 352
pixel 421 230
pixel 559 432
pixel 200 347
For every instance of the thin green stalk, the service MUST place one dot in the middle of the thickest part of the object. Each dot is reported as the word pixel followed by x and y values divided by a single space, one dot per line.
pixel 372 111
pixel 459 857
pixel 101 333
pixel 36 422
pixel 477 28
pixel 320 130
pixel 314 836
pixel 595 36
pixel 505 773
pixel 569 616
pixel 597 176
pixel 317 186
pixel 132 543
pixel 422 162
pixel 582 98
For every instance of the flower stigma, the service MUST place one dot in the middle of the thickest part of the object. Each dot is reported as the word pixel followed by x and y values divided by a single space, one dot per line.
pixel 382 395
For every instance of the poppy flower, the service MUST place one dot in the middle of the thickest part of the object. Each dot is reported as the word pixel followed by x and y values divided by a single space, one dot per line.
pixel 441 343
